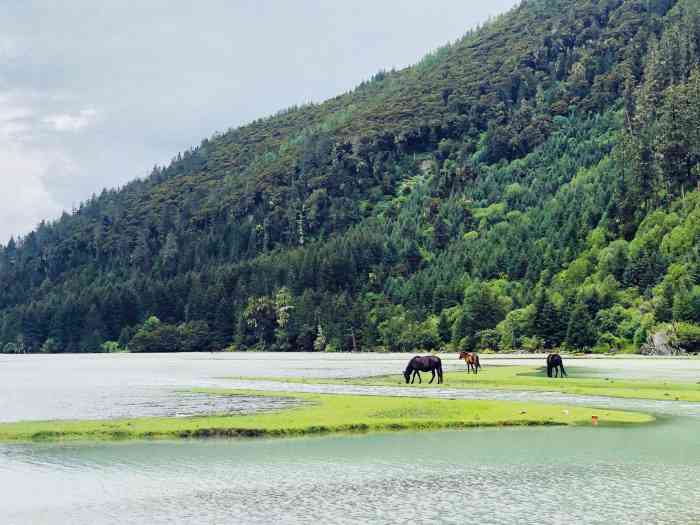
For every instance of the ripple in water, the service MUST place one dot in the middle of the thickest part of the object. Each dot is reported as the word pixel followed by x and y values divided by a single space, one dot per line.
pixel 538 476
pixel 645 474
pixel 149 402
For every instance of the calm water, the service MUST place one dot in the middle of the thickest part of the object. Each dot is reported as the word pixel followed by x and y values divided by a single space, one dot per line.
pixel 646 474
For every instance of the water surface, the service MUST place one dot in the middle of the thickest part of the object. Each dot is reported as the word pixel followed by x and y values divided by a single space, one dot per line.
pixel 644 474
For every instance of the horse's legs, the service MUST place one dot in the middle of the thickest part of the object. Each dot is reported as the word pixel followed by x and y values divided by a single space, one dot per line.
pixel 416 373
pixel 432 378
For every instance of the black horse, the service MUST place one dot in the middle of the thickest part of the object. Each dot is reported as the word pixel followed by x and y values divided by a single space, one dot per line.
pixel 428 363
pixel 555 364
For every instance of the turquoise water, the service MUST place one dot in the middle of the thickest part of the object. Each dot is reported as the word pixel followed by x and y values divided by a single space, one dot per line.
pixel 644 474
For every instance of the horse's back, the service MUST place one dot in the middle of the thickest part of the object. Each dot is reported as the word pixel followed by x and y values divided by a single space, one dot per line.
pixel 554 359
pixel 427 362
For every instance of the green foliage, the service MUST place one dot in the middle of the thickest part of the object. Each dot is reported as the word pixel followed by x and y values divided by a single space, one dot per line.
pixel 514 328
pixel 320 414
pixel 10 348
pixel 112 347
pixel 50 346
pixel 482 309
pixel 155 336
pixel 531 185
pixel 687 336
pixel 580 333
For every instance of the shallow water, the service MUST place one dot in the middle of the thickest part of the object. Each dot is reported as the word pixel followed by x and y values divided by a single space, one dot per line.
pixel 40 387
pixel 547 475
pixel 645 474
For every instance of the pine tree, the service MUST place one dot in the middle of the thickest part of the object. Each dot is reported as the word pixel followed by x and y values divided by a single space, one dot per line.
pixel 546 323
pixel 444 328
pixel 580 333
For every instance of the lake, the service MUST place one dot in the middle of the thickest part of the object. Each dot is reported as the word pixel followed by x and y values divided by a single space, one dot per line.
pixel 645 474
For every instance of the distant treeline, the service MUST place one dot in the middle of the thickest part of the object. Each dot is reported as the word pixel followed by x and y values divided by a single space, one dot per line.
pixel 533 185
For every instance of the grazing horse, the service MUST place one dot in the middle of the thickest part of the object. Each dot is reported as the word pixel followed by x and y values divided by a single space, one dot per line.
pixel 472 361
pixel 555 363
pixel 418 364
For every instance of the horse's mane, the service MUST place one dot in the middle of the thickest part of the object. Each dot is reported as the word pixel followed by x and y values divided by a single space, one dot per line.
pixel 409 366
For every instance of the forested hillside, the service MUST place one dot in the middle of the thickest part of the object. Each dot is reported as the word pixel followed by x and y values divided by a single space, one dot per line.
pixel 533 185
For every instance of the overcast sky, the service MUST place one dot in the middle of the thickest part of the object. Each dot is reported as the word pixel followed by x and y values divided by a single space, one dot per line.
pixel 94 93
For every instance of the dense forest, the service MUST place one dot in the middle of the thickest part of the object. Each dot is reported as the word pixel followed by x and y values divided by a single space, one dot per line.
pixel 535 184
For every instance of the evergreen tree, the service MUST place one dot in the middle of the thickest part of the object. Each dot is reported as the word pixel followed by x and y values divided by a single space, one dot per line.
pixel 580 333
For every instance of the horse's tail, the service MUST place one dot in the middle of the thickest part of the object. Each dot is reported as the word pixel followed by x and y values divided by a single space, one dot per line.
pixel 561 367
pixel 478 364
pixel 439 369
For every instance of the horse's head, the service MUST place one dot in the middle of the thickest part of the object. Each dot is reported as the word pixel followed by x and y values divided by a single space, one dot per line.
pixel 407 374
pixel 462 355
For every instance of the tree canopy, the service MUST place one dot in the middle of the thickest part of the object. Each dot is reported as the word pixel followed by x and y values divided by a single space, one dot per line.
pixel 534 184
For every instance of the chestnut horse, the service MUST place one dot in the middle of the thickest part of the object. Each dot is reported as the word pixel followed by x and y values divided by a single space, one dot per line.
pixel 472 361
pixel 418 364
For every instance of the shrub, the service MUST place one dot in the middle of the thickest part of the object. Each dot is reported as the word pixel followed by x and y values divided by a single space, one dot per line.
pixel 112 347
pixel 533 344
pixel 50 346
pixel 687 336
pixel 10 348
pixel 608 342
pixel 488 340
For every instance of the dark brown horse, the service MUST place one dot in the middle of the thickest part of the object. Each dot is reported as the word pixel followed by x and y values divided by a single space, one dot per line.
pixel 418 364
pixel 472 361
pixel 555 364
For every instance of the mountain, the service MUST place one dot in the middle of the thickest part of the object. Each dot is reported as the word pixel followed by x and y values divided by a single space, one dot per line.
pixel 533 185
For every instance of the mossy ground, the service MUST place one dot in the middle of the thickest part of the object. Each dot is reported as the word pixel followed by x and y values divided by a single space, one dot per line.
pixel 534 378
pixel 323 413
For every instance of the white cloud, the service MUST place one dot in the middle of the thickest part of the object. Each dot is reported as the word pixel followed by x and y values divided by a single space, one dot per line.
pixel 71 122
pixel 8 48
pixel 25 167
pixel 24 199
pixel 90 105
pixel 15 118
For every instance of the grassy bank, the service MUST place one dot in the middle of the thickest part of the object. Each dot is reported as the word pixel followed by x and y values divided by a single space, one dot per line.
pixel 319 414
pixel 534 378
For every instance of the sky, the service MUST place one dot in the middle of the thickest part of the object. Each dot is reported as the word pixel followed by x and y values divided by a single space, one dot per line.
pixel 94 94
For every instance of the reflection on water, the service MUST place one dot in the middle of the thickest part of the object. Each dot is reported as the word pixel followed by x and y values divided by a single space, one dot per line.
pixel 645 474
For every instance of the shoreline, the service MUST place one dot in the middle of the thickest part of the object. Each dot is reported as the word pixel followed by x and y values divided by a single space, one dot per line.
pixel 483 355
pixel 521 378
pixel 323 414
